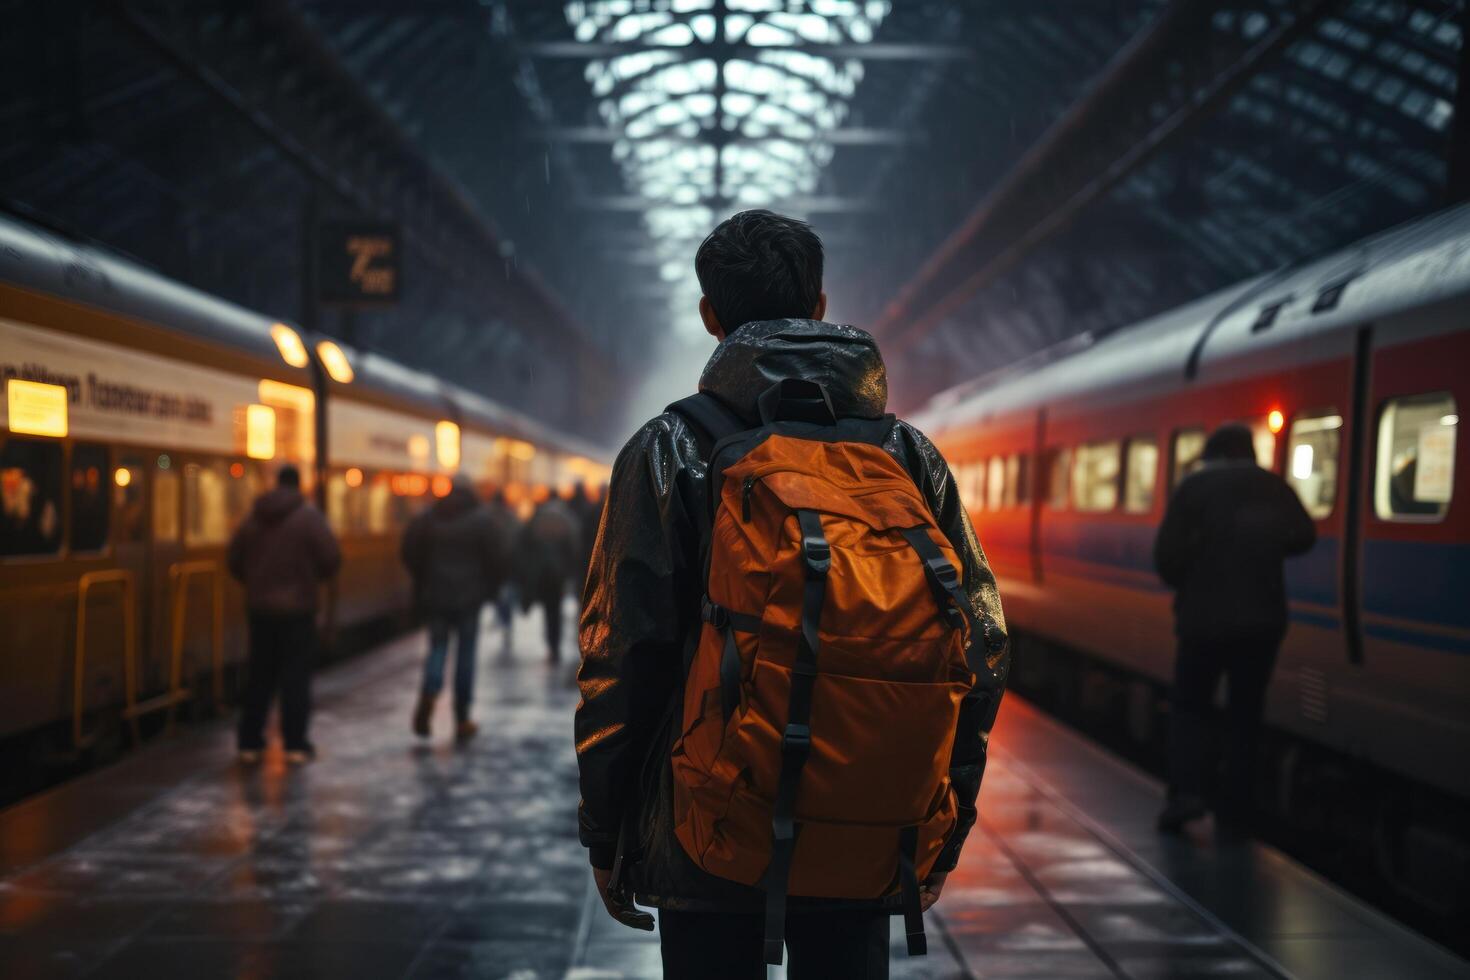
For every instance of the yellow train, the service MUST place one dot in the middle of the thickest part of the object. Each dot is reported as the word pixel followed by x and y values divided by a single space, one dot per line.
pixel 140 419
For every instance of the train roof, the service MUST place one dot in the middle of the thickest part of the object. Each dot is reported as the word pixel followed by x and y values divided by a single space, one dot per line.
pixel 36 259
pixel 1424 262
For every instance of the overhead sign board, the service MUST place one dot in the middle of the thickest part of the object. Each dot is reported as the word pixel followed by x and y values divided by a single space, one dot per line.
pixel 358 263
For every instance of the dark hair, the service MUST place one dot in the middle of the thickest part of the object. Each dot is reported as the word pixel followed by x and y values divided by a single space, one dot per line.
pixel 288 476
pixel 1232 440
pixel 758 265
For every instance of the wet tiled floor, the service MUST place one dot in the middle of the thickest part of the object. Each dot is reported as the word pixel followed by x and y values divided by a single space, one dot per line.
pixel 390 858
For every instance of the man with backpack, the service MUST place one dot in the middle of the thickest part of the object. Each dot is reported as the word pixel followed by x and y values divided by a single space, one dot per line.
pixel 793 647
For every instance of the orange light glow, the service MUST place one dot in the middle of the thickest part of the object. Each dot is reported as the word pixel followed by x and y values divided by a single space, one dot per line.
pixel 410 484
pixel 339 368
pixel 1275 420
pixel 353 477
pixel 441 485
pixel 446 444
pixel 123 476
pixel 260 431
pixel 237 470
pixel 288 342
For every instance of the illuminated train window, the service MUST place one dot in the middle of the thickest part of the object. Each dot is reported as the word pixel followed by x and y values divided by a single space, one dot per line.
pixel 995 482
pixel 1140 474
pixel 1312 448
pixel 1059 479
pixel 1095 476
pixel 30 497
pixel 1013 480
pixel 1415 470
pixel 206 503
pixel 970 478
pixel 1188 445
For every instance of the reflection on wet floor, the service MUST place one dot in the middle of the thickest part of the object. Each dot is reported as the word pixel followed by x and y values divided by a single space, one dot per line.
pixel 389 858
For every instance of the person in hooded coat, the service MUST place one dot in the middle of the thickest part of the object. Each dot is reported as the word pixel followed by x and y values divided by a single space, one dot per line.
pixel 281 553
pixel 548 556
pixel 1227 530
pixel 761 275
pixel 457 552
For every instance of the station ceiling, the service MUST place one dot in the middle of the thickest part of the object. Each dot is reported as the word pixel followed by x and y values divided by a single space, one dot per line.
pixel 576 151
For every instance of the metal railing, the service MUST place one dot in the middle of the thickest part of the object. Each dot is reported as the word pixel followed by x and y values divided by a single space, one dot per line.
pixel 123 578
pixel 179 574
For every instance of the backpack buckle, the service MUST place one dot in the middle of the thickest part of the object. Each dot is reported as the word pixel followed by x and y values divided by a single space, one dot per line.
pixel 944 573
pixel 714 613
pixel 818 555
pixel 797 739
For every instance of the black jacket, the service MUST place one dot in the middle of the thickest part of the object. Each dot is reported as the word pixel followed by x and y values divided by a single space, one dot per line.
pixel 548 552
pixel 457 552
pixel 282 553
pixel 1226 531
pixel 643 591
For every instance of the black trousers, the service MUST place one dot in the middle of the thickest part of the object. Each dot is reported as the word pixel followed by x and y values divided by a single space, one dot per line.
pixel 1246 663
pixel 730 946
pixel 549 598
pixel 282 647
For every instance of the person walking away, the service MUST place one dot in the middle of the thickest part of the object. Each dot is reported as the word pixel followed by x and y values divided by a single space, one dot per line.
pixel 281 553
pixel 1226 532
pixel 547 558
pixel 456 551
pixel 506 598
pixel 792 654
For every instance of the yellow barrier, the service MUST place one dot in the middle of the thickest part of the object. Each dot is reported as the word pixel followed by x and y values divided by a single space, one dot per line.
pixel 179 574
pixel 123 578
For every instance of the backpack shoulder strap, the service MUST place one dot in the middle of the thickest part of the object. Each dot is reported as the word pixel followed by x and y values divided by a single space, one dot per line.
pixel 711 419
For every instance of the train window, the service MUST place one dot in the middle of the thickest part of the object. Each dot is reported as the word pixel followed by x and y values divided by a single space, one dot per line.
pixel 970 479
pixel 1059 479
pixel 1311 459
pixel 1023 478
pixel 130 511
pixel 30 497
pixel 1140 474
pixel 206 503
pixel 89 504
pixel 380 516
pixel 995 483
pixel 165 500
pixel 1415 471
pixel 1013 480
pixel 1188 445
pixel 1095 476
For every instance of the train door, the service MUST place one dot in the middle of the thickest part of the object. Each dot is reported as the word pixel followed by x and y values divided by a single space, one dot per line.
pixel 1411 673
pixel 164 548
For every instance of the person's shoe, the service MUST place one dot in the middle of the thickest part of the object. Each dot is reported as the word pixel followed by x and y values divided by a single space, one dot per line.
pixel 248 757
pixel 466 730
pixel 422 715
pixel 1179 811
pixel 300 757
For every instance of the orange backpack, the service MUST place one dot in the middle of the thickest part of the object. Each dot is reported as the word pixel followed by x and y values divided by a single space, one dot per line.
pixel 821 698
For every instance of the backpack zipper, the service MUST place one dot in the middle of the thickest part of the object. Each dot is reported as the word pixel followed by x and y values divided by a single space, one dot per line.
pixel 745 491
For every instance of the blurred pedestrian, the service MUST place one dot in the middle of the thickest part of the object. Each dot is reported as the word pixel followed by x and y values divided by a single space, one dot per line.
pixel 506 596
pixel 1228 528
pixel 281 553
pixel 457 553
pixel 547 558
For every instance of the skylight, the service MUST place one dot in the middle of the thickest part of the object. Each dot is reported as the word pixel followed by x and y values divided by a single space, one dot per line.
pixel 714 121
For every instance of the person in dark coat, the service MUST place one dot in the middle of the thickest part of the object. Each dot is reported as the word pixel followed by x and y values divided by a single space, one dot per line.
pixel 548 557
pixel 762 276
pixel 281 553
pixel 1227 530
pixel 457 552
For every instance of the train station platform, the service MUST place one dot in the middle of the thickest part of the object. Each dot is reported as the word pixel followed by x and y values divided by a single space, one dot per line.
pixel 391 858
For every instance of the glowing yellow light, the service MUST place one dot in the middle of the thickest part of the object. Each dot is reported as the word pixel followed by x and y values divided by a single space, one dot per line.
pixel 446 442
pixel 418 447
pixel 1275 420
pixel 442 486
pixel 281 395
pixel 123 476
pixel 288 342
pixel 335 361
pixel 521 450
pixel 36 409
pixel 260 431
pixel 353 477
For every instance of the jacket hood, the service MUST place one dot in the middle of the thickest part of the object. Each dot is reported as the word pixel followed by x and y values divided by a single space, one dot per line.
pixel 459 501
pixel 274 506
pixel 1231 441
pixel 842 359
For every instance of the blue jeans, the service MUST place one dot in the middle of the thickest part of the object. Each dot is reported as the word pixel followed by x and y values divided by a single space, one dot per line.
pixel 466 624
